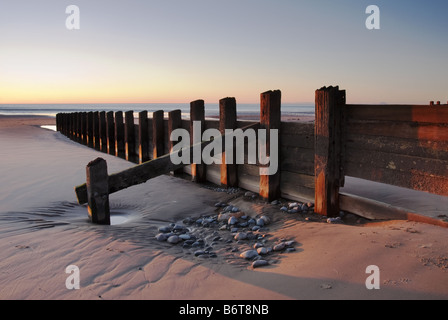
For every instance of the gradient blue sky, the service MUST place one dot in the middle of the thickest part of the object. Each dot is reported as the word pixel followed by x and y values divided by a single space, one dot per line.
pixel 182 50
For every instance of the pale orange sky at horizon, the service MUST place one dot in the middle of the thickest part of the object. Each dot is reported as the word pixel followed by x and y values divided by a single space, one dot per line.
pixel 159 52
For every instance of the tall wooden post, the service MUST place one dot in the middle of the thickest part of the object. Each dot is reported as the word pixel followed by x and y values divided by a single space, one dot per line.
pixel 120 150
pixel 328 162
pixel 84 127
pixel 103 132
pixel 174 122
pixel 158 133
pixel 96 130
pixel 129 135
pixel 77 127
pixel 227 120
pixel 110 132
pixel 270 119
pixel 98 191
pixel 197 114
pixel 143 136
pixel 90 129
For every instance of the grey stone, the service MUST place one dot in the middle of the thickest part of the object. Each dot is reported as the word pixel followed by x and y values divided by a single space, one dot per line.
pixel 241 236
pixel 165 229
pixel 161 237
pixel 173 239
pixel 279 247
pixel 249 254
pixel 259 263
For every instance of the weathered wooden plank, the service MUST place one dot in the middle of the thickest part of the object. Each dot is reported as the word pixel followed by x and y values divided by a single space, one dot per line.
pixel 120 149
pixel 90 129
pixel 402 113
pixel 328 145
pixel 376 210
pixel 410 147
pixel 248 177
pixel 97 190
pixel 297 160
pixel 84 128
pixel 404 163
pixel 143 143
pixel 174 122
pixel 157 134
pixel 297 186
pixel 227 120
pixel 411 180
pixel 270 119
pixel 110 132
pixel 96 130
pixel 129 134
pixel 197 114
pixel 407 130
pixel 103 132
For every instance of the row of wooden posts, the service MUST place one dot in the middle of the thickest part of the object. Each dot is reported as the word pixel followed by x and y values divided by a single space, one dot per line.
pixel 107 132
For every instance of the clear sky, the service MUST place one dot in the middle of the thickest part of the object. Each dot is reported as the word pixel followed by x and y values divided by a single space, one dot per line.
pixel 150 51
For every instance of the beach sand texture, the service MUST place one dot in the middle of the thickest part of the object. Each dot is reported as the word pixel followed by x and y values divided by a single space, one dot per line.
pixel 43 230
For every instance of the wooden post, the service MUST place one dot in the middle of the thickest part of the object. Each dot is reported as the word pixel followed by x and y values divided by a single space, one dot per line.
pixel 58 122
pixel 227 120
pixel 110 132
pixel 270 118
pixel 145 171
pixel 73 126
pixel 129 136
pixel 90 129
pixel 96 130
pixel 143 143
pixel 103 132
pixel 197 114
pixel 98 191
pixel 158 133
pixel 120 150
pixel 84 127
pixel 174 122
pixel 328 162
pixel 77 127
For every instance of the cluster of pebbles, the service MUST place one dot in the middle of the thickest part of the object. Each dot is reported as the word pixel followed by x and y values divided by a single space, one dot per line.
pixel 230 229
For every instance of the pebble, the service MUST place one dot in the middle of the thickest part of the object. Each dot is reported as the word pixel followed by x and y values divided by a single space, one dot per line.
pixel 232 221
pixel 161 237
pixel 234 230
pixel 289 243
pixel 249 194
pixel 285 209
pixel 199 253
pixel 258 245
pixel 249 254
pixel 185 236
pixel 262 251
pixel 334 220
pixel 260 222
pixel 275 202
pixel 279 247
pixel 256 228
pixel 292 205
pixel 288 250
pixel 173 239
pixel 259 263
pixel 241 236
pixel 165 229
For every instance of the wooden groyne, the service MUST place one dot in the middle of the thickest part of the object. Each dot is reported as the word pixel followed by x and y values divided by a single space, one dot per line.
pixel 402 145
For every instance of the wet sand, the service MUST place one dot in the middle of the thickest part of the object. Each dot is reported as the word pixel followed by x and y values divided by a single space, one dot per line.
pixel 43 230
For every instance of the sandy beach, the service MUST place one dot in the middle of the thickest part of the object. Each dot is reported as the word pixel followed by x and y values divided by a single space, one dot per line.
pixel 43 230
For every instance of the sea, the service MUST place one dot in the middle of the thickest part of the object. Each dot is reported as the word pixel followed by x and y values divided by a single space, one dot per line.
pixel 210 109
